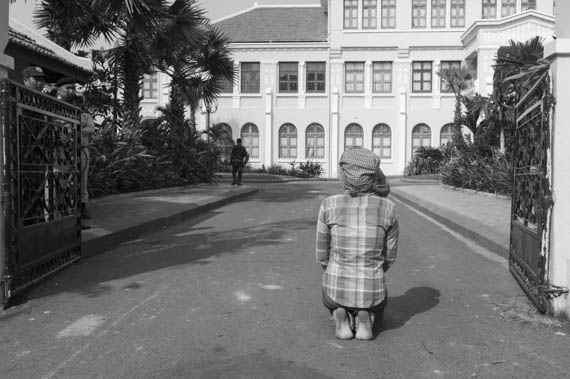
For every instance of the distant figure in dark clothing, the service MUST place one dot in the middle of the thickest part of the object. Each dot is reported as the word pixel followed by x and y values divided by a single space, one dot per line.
pixel 238 159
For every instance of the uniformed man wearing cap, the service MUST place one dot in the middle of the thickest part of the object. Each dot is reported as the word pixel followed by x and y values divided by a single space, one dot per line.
pixel 34 77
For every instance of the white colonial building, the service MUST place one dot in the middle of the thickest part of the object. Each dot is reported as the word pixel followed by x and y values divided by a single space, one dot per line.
pixel 314 79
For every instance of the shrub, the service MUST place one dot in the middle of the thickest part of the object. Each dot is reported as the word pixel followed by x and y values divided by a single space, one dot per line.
pixel 426 161
pixel 308 169
pixel 478 172
pixel 157 155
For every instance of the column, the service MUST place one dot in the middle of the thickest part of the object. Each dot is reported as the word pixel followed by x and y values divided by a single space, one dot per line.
pixel 334 134
pixel 236 87
pixel 368 84
pixel 436 83
pixel 301 84
pixel 6 62
pixel 558 53
pixel 267 144
pixel 400 151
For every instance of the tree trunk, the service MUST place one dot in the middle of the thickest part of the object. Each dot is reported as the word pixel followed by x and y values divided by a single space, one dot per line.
pixel 502 141
pixel 133 74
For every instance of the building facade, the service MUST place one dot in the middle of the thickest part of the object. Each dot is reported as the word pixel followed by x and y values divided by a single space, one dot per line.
pixel 316 79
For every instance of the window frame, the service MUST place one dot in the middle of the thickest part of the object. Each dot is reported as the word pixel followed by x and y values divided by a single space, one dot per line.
pixel 350 14
pixel 422 135
pixel 388 14
pixel 288 77
pixel 446 134
pixel 312 151
pixel 457 20
pixel 348 73
pixel 353 135
pixel 419 13
pixel 489 9
pixel 442 83
pixel 150 85
pixel 528 5
pixel 248 69
pixel 372 16
pixel 379 132
pixel 246 136
pixel 316 81
pixel 288 134
pixel 378 68
pixel 510 5
pixel 437 6
pixel 422 71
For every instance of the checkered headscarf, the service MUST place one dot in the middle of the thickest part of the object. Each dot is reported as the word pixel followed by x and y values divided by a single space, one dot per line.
pixel 359 170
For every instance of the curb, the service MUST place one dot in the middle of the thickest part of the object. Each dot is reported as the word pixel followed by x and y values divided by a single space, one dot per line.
pixel 456 227
pixel 471 191
pixel 106 242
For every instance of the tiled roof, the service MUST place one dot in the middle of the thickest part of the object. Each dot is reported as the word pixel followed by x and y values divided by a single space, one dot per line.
pixel 276 24
pixel 27 42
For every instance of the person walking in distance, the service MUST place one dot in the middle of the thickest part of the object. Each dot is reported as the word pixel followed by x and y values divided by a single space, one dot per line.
pixel 238 158
pixel 356 243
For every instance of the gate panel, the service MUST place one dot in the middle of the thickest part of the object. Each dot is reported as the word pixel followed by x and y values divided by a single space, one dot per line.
pixel 41 196
pixel 531 193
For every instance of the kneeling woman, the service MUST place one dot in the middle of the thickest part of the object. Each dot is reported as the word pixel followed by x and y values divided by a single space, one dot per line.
pixel 357 242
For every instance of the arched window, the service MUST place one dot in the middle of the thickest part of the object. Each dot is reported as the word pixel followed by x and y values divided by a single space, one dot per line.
pixel 446 134
pixel 382 141
pixel 353 136
pixel 250 139
pixel 223 139
pixel 315 141
pixel 287 141
pixel 225 131
pixel 421 136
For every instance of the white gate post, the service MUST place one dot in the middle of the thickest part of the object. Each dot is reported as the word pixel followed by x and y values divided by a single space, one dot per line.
pixel 558 53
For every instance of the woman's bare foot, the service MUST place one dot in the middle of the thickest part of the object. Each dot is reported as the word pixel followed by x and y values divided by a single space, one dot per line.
pixel 364 328
pixel 342 325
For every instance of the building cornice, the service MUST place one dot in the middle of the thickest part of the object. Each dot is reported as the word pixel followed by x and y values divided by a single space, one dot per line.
pixel 497 24
pixel 279 46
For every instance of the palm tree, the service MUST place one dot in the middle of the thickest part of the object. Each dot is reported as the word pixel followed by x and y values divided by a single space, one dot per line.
pixel 149 34
pixel 457 80
pixel 518 67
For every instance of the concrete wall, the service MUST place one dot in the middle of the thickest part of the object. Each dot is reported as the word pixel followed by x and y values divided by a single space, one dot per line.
pixel 558 52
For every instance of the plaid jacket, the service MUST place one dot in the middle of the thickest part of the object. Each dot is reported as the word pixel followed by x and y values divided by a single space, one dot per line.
pixel 357 240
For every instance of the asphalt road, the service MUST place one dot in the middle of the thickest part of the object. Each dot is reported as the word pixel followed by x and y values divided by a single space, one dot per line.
pixel 235 293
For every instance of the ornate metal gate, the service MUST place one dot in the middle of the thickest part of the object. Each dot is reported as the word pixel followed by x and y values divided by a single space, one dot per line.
pixel 532 199
pixel 41 225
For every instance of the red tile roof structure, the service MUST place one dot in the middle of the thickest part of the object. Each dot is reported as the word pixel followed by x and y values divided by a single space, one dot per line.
pixel 276 24
pixel 20 39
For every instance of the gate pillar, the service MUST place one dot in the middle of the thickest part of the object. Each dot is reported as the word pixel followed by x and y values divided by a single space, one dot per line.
pixel 558 53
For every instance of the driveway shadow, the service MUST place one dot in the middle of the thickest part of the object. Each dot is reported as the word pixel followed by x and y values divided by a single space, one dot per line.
pixel 89 278
pixel 400 309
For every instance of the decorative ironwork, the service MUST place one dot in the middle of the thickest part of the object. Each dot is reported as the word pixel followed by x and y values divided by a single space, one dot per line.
pixel 532 198
pixel 42 139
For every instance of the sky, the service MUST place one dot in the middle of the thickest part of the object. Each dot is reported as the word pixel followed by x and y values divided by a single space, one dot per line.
pixel 22 10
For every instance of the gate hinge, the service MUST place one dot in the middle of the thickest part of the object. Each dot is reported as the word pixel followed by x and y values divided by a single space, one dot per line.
pixel 552 290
